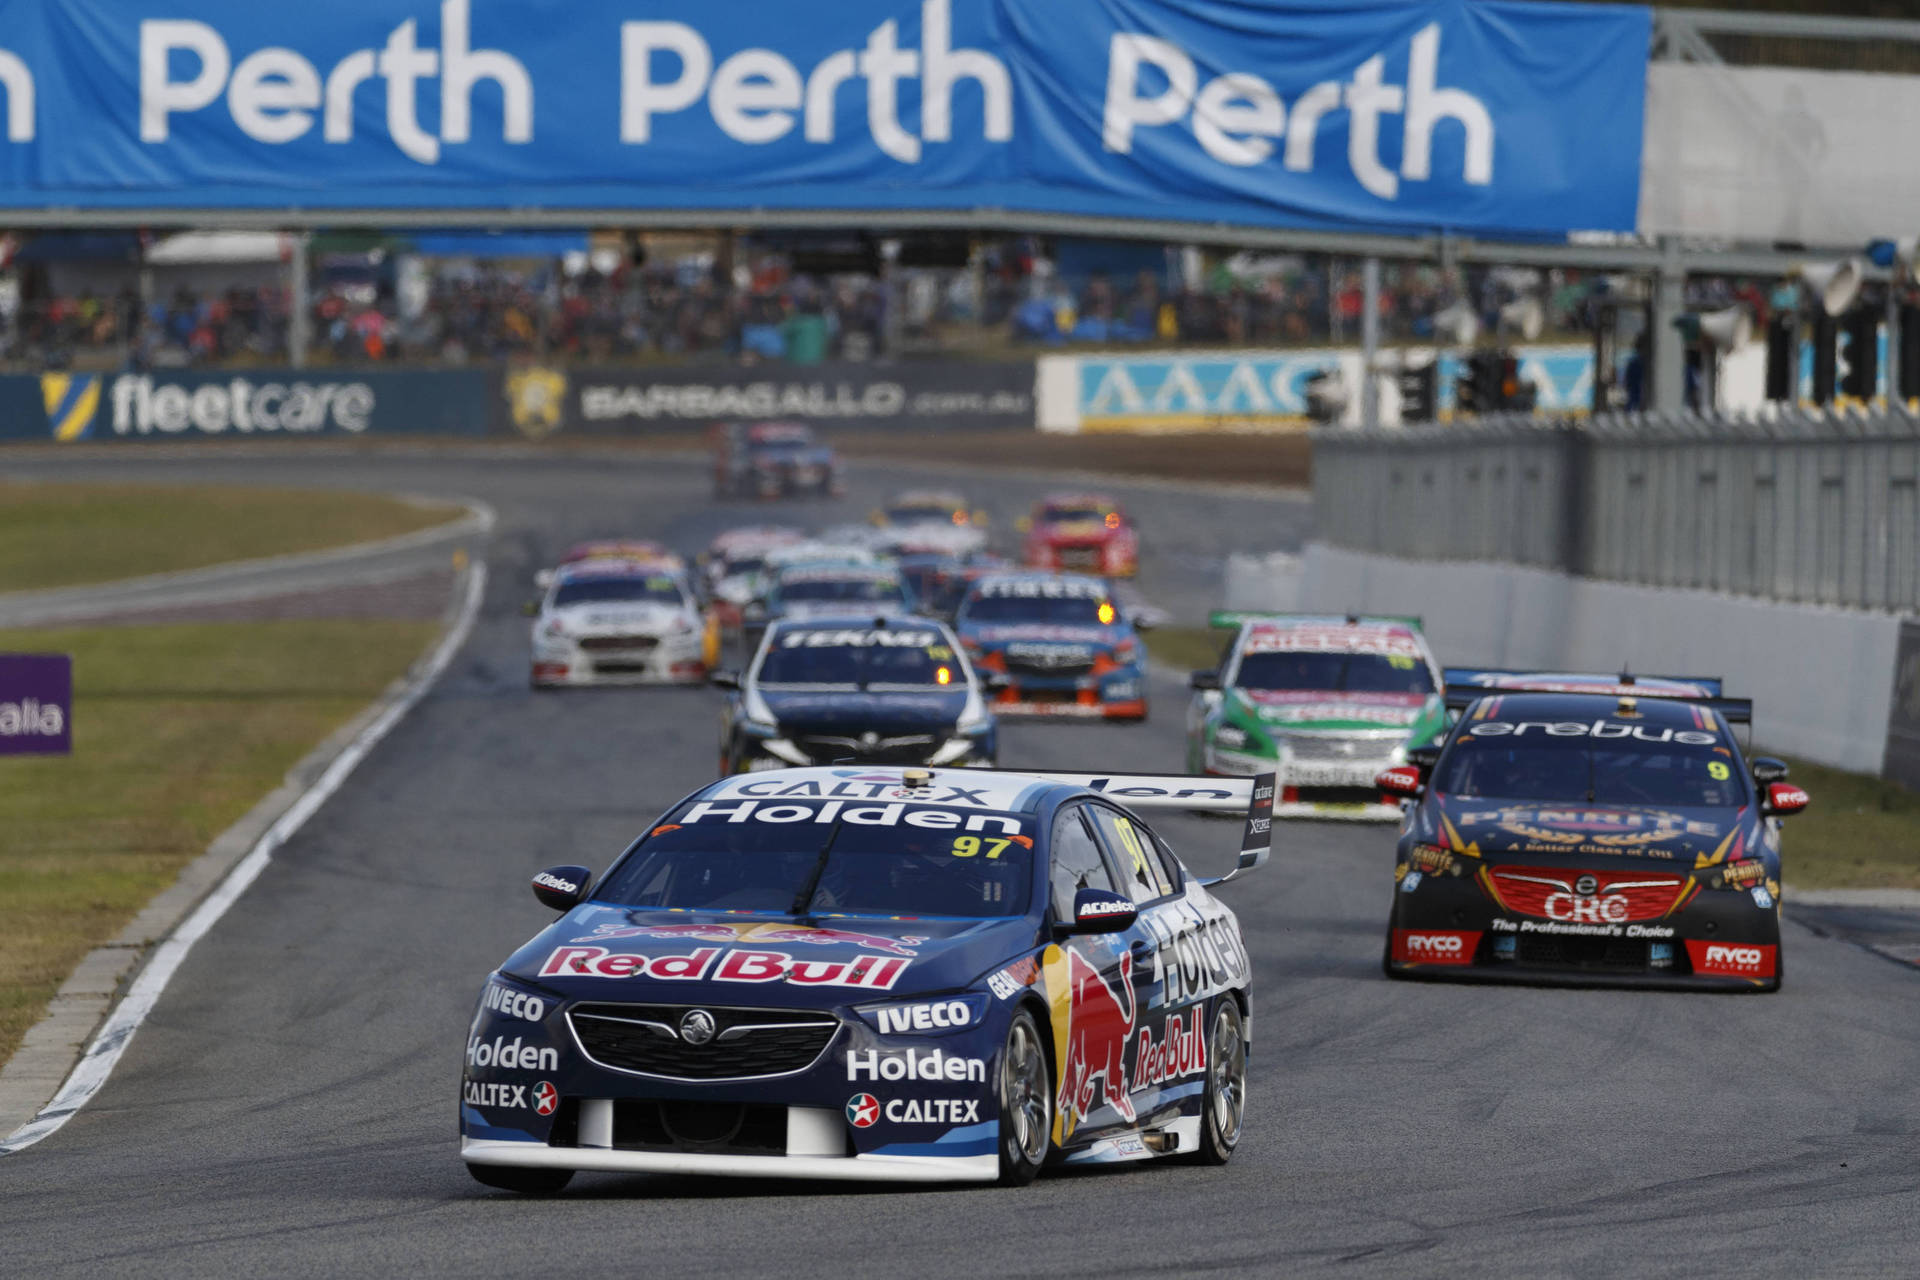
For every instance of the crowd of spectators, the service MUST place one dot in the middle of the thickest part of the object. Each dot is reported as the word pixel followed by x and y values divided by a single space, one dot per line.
pixel 467 311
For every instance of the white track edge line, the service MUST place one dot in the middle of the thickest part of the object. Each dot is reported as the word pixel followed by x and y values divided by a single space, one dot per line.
pixel 97 1063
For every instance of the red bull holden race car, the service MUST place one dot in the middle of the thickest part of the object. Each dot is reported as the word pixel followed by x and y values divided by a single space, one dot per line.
pixel 869 973
pixel 1590 829
pixel 1084 533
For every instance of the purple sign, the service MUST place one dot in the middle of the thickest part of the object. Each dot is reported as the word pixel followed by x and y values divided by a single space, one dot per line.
pixel 36 704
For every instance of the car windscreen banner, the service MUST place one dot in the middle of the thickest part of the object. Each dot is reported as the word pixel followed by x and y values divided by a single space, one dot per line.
pixel 244 404
pixel 1470 115
pixel 662 399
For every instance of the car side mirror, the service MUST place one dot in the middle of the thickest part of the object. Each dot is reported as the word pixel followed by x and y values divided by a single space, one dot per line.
pixel 1403 780
pixel 1769 769
pixel 724 679
pixel 543 578
pixel 1099 911
pixel 1424 758
pixel 1204 680
pixel 562 888
pixel 1783 798
pixel 531 609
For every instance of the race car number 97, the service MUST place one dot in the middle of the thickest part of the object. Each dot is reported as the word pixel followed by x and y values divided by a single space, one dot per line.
pixel 970 846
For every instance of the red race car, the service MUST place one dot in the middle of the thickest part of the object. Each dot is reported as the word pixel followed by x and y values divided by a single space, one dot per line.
pixel 1082 533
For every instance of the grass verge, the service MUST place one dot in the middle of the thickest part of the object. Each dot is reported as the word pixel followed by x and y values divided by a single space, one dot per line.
pixel 178 731
pixel 64 535
pixel 1860 832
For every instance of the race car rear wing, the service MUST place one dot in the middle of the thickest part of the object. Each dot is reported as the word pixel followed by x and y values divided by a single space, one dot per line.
pixel 1467 685
pixel 1228 619
pixel 1252 796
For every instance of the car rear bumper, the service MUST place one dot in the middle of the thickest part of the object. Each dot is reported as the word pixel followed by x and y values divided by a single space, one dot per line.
pixel 849 1168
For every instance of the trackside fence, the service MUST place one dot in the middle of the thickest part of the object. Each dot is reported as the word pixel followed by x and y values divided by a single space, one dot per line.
pixel 1813 508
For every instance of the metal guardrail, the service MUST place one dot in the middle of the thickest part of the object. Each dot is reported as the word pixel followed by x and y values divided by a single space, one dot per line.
pixel 1819 508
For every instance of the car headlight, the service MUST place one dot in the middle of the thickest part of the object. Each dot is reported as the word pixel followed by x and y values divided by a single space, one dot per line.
pixel 926 1016
pixel 1232 737
pixel 781 749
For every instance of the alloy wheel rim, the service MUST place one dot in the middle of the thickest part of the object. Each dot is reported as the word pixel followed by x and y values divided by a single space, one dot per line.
pixel 1023 1094
pixel 1229 1075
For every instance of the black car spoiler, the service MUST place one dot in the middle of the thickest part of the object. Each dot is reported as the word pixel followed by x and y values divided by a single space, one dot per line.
pixel 1467 685
pixel 1251 796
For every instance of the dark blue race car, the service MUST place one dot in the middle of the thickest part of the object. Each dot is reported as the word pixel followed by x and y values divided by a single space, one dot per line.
pixel 1586 829
pixel 1060 644
pixel 862 973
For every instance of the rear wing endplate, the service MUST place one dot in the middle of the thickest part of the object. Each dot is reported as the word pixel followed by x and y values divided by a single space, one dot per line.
pixel 1467 685
pixel 1252 797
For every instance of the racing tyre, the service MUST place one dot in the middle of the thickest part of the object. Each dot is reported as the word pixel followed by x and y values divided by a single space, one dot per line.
pixel 527 1182
pixel 1026 1102
pixel 1223 1106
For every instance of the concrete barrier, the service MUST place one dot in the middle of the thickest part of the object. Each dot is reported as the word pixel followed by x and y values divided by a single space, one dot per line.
pixel 1821 678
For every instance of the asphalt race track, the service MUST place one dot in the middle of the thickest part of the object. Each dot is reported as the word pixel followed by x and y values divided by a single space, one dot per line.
pixel 290 1108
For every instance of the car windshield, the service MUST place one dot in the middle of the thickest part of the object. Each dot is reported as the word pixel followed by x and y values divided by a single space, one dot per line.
pixel 836 857
pixel 658 589
pixel 1075 514
pixel 1613 770
pixel 1334 672
pixel 920 513
pixel 1060 610
pixel 889 656
pixel 854 590
pixel 741 566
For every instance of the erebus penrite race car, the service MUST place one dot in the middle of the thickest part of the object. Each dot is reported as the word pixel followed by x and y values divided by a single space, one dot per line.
pixel 871 690
pixel 1059 642
pixel 1590 829
pixel 858 973
pixel 1325 702
pixel 619 622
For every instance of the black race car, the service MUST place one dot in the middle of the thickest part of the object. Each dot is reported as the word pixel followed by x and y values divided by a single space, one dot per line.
pixel 1590 829
pixel 901 975
pixel 873 690
pixel 772 460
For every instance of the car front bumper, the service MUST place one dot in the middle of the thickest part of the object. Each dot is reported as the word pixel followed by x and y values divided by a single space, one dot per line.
pixel 672 659
pixel 849 1168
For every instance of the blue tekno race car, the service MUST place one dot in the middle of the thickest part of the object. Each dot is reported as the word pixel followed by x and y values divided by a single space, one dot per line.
pixel 1590 829
pixel 868 973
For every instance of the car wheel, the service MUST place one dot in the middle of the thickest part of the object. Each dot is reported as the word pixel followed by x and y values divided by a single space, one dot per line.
pixel 1223 1105
pixel 527 1182
pixel 1026 1102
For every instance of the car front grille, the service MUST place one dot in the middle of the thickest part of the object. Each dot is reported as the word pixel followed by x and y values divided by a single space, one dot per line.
pixel 747 1043
pixel 1078 557
pixel 1341 748
pixel 1047 669
pixel 601 644
pixel 912 748
pixel 1582 954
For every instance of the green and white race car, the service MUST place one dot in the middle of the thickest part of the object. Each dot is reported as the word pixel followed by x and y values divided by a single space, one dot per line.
pixel 1324 702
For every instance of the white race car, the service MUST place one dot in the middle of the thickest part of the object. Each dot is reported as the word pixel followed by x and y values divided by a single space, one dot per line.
pixel 619 622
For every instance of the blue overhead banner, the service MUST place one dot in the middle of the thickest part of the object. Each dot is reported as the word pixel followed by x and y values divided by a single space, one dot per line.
pixel 1485 116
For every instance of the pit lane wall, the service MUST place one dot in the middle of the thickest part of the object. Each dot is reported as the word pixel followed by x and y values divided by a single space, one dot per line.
pixel 1781 552
pixel 1822 679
